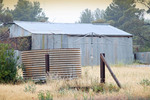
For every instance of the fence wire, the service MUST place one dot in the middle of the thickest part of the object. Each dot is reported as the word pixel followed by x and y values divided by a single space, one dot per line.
pixel 17 43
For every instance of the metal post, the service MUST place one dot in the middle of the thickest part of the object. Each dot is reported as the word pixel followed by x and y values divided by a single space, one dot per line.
pixel 47 62
pixel 102 69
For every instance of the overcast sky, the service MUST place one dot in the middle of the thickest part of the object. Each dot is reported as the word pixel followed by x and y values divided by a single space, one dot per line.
pixel 64 11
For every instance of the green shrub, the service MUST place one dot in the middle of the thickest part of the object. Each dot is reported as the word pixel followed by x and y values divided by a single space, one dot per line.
pixel 85 97
pixel 30 88
pixel 19 79
pixel 145 82
pixel 113 88
pixel 105 88
pixel 8 64
pixel 98 88
pixel 45 95
pixel 41 95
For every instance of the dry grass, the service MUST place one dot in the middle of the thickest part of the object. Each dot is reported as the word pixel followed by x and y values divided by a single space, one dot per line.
pixel 129 77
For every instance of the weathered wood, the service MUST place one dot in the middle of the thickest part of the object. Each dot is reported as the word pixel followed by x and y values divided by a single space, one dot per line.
pixel 47 63
pixel 102 70
pixel 112 74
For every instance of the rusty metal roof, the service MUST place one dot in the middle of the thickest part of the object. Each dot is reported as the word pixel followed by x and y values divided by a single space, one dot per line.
pixel 70 28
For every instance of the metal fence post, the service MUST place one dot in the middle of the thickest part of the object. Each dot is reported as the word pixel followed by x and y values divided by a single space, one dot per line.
pixel 102 69
pixel 47 62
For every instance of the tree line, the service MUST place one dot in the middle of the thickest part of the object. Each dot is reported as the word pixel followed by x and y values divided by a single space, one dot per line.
pixel 124 15
pixel 24 10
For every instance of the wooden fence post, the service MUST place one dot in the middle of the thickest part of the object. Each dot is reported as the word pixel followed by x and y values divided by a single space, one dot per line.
pixel 112 74
pixel 102 69
pixel 47 63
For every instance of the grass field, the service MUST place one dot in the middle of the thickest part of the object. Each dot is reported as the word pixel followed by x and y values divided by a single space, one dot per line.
pixel 135 83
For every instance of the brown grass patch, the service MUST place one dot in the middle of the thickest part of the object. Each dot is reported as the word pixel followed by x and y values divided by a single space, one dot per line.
pixel 129 77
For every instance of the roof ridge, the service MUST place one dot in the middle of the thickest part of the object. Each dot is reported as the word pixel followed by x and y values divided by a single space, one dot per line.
pixel 69 28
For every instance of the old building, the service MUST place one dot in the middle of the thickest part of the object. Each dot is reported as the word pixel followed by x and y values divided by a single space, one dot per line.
pixel 92 39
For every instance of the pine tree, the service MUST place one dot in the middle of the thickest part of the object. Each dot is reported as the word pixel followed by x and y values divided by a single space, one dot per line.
pixel 99 14
pixel 86 16
pixel 5 15
pixel 123 14
pixel 120 11
pixel 146 3
pixel 27 11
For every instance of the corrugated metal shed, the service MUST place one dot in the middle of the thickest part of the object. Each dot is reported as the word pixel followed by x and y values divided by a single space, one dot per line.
pixel 73 29
pixel 91 39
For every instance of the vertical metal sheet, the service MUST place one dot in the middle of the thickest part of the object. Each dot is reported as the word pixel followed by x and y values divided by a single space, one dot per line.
pixel 19 32
pixel 116 49
pixel 18 54
pixel 64 41
pixel 43 42
pixel 143 57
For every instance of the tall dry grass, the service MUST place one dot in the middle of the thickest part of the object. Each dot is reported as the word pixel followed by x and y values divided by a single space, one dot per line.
pixel 129 77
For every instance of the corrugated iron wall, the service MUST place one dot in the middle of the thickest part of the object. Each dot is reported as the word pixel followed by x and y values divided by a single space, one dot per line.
pixel 64 63
pixel 143 57
pixel 17 31
pixel 116 49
